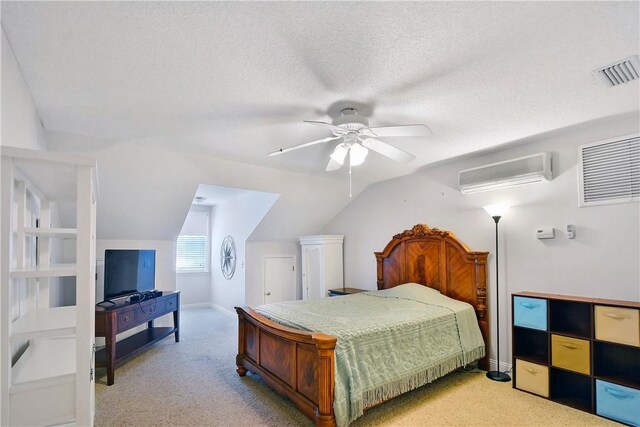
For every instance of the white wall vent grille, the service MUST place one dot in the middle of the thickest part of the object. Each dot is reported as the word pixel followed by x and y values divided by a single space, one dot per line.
pixel 523 170
pixel 620 72
pixel 609 171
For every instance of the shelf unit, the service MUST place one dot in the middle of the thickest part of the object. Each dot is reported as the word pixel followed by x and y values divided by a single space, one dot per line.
pixel 46 349
pixel 581 352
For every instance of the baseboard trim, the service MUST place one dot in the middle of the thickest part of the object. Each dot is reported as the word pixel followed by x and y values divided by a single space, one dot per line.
pixel 195 305
pixel 212 305
pixel 504 366
pixel 223 310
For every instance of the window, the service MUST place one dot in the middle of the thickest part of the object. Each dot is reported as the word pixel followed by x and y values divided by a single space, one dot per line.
pixel 192 246
pixel 191 253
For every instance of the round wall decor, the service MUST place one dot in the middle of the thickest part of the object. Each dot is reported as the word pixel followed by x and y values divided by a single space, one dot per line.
pixel 228 257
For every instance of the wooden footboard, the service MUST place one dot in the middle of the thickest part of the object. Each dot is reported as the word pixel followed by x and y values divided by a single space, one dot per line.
pixel 295 363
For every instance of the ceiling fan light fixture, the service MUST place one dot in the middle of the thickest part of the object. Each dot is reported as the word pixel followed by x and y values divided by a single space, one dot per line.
pixel 357 154
pixel 339 154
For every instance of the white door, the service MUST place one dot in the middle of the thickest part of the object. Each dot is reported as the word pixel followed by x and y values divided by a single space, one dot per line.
pixel 279 279
pixel 313 272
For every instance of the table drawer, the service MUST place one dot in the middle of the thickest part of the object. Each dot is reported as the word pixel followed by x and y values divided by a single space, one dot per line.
pixel 571 353
pixel 148 312
pixel 616 324
pixel 532 377
pixel 530 313
pixel 125 321
pixel 618 402
pixel 171 304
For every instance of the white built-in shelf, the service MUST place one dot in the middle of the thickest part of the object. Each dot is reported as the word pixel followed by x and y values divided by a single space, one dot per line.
pixel 65 233
pixel 45 362
pixel 53 270
pixel 45 322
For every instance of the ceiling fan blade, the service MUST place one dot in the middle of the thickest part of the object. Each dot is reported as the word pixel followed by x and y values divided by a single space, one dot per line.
pixel 402 130
pixel 326 125
pixel 306 144
pixel 333 165
pixel 387 150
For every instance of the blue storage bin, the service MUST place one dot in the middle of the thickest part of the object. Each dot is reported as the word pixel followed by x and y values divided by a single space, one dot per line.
pixel 530 312
pixel 618 402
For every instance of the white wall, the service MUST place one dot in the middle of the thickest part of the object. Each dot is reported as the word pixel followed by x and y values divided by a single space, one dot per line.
pixel 195 288
pixel 21 125
pixel 238 218
pixel 602 261
pixel 146 192
pixel 255 254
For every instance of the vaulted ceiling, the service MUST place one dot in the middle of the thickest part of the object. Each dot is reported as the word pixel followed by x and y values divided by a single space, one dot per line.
pixel 236 79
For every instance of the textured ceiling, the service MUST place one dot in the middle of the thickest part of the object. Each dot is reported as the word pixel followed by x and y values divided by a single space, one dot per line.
pixel 236 79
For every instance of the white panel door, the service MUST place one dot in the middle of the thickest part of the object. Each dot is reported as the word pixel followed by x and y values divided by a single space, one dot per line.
pixel 313 272
pixel 279 279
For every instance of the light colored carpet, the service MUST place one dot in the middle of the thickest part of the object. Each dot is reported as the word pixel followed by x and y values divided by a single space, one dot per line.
pixel 194 383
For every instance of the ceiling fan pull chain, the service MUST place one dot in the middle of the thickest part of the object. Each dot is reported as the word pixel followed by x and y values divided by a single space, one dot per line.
pixel 350 179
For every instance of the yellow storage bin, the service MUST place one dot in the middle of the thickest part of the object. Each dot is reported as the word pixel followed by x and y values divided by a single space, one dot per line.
pixel 532 377
pixel 616 324
pixel 571 353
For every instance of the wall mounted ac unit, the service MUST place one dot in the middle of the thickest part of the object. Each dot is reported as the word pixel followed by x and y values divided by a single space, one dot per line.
pixel 523 170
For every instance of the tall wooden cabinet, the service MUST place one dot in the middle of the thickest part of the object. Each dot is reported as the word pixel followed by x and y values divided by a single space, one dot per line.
pixel 322 265
pixel 581 352
pixel 47 344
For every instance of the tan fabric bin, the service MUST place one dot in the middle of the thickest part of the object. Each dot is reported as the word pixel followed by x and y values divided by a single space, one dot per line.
pixel 532 377
pixel 571 353
pixel 616 324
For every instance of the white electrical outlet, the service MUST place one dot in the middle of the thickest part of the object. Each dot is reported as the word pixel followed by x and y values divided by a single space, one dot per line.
pixel 571 231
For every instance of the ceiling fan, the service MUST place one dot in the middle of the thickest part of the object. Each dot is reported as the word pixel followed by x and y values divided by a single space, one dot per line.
pixel 357 138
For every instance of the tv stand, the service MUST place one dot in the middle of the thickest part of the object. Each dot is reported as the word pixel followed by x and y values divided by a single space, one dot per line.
pixel 124 316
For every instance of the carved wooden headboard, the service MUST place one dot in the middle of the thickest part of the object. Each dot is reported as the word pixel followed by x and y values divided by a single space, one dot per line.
pixel 437 259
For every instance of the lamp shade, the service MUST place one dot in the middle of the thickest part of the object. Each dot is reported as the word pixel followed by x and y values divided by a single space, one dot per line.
pixel 339 154
pixel 496 209
pixel 357 154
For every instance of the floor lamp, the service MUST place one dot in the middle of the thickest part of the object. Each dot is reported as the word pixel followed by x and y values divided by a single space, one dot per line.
pixel 496 212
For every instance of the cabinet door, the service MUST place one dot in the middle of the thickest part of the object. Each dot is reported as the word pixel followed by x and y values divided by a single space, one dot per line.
pixel 313 272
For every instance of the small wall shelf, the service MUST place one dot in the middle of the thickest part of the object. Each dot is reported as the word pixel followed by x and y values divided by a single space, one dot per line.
pixel 63 233
pixel 53 270
pixel 45 322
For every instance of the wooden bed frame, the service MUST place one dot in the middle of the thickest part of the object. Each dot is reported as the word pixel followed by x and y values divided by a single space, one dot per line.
pixel 300 364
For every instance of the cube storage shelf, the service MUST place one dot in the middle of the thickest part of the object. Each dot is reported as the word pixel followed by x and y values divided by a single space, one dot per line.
pixel 580 352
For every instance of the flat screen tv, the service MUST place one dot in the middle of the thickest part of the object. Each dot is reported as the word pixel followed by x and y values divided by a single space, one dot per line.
pixel 128 271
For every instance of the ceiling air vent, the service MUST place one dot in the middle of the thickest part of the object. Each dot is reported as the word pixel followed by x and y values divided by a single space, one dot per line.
pixel 523 170
pixel 620 72
pixel 609 171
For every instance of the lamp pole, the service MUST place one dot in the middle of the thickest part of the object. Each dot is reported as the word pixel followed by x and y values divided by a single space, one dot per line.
pixel 496 213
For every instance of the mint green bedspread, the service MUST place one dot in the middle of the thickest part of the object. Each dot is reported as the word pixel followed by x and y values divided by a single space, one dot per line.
pixel 389 341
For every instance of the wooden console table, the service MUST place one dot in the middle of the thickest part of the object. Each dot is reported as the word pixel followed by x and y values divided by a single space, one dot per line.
pixel 111 321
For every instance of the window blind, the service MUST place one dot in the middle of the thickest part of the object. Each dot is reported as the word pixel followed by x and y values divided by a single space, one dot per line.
pixel 191 253
pixel 192 246
pixel 610 171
